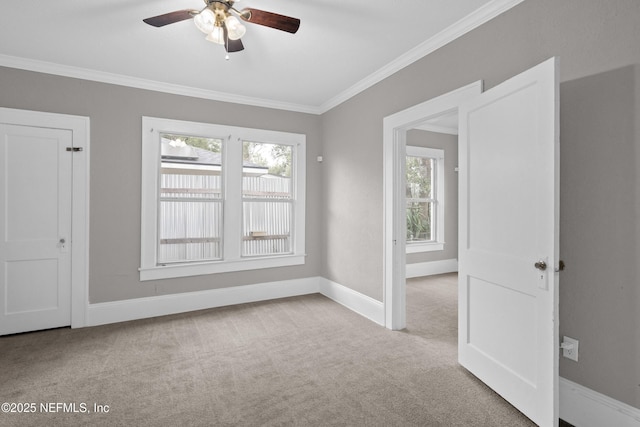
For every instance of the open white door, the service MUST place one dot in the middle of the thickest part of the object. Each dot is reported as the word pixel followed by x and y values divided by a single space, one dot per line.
pixel 508 231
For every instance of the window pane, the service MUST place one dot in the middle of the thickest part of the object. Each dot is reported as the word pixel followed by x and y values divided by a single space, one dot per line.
pixel 190 215
pixel 266 171
pixel 266 176
pixel 266 228
pixel 419 215
pixel 190 167
pixel 419 177
pixel 190 231
pixel 183 186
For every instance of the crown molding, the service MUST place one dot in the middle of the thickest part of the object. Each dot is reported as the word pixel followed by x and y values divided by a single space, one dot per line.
pixel 138 83
pixel 458 29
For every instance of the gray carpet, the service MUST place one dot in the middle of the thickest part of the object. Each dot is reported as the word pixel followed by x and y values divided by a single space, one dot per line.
pixel 303 361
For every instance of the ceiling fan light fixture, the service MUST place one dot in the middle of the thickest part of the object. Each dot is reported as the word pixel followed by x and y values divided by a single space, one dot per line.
pixel 235 29
pixel 222 22
pixel 205 21
pixel 216 35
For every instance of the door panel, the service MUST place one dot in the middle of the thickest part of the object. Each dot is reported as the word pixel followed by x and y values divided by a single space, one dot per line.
pixel 508 334
pixel 487 326
pixel 32 285
pixel 35 232
pixel 505 154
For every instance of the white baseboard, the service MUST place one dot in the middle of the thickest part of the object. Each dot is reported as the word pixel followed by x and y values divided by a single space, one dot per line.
pixel 430 268
pixel 355 301
pixel 584 407
pixel 142 308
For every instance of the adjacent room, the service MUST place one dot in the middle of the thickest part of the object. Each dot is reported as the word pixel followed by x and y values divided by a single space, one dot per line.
pixel 317 213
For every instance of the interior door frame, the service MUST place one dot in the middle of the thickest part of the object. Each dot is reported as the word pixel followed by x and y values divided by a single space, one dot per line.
pixel 395 129
pixel 79 126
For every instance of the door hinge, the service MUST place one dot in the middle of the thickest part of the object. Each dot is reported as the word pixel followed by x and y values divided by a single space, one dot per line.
pixel 74 149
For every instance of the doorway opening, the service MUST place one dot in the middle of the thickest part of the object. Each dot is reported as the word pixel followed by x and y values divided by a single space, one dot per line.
pixel 432 205
pixel 435 114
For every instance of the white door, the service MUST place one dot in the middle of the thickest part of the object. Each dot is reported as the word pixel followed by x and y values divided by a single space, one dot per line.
pixel 35 228
pixel 508 307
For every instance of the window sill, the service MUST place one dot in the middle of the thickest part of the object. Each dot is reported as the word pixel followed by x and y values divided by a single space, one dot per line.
pixel 413 248
pixel 197 269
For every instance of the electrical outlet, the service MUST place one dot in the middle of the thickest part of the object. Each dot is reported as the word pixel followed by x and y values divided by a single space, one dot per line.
pixel 570 348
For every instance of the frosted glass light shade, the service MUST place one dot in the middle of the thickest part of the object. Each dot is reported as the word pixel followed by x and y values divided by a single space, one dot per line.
pixel 235 29
pixel 205 21
pixel 216 35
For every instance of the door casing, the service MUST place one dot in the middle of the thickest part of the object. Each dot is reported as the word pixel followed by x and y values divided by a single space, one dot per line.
pixel 79 126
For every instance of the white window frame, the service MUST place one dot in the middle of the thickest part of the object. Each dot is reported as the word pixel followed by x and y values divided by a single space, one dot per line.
pixel 437 244
pixel 232 137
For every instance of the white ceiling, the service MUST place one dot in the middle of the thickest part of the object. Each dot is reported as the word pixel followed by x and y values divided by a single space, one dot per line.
pixel 444 123
pixel 342 47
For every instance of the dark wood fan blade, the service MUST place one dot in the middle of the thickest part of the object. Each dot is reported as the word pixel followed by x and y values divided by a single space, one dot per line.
pixel 270 19
pixel 232 45
pixel 171 17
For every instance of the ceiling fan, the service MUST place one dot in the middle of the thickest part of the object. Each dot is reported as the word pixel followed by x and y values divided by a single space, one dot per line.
pixel 219 20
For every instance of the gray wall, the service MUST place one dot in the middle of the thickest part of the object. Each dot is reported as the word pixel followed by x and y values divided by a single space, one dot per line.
pixel 599 291
pixel 448 143
pixel 599 305
pixel 115 114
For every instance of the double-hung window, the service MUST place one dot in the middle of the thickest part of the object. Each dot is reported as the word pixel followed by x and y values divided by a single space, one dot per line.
pixel 219 198
pixel 425 199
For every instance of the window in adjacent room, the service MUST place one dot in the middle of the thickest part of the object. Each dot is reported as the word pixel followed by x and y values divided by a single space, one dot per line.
pixel 219 198
pixel 425 199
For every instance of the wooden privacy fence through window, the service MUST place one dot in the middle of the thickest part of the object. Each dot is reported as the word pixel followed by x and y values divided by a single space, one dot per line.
pixel 191 219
